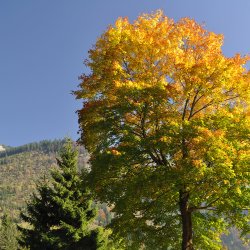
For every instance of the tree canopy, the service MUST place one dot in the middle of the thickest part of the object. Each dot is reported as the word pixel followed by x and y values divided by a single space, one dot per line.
pixel 165 118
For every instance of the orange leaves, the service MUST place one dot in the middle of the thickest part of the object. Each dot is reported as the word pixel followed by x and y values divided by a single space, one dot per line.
pixel 115 152
pixel 154 71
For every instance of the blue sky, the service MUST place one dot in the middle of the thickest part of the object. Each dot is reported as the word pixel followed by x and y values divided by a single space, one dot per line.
pixel 43 44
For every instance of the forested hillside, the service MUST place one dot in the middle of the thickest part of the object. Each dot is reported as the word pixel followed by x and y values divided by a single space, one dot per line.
pixel 21 168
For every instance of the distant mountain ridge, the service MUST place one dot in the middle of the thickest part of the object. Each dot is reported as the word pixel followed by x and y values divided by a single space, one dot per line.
pixel 46 146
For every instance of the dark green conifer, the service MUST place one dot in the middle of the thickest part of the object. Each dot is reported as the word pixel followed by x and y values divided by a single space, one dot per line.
pixel 61 215
pixel 40 217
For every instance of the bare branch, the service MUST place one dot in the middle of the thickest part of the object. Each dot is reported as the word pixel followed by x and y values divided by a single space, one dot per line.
pixel 207 207
pixel 231 98
pixel 205 106
pixel 185 109
pixel 194 102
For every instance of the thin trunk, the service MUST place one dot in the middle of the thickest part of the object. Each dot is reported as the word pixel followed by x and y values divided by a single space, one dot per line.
pixel 186 214
pixel 186 218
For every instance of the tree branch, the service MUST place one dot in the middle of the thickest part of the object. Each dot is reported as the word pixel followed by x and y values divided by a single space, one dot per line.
pixel 205 106
pixel 209 206
pixel 185 109
pixel 194 102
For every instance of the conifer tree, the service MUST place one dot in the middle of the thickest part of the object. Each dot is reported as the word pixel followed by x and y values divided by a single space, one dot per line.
pixel 61 215
pixel 8 234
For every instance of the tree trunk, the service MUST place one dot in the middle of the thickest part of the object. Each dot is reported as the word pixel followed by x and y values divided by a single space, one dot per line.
pixel 186 219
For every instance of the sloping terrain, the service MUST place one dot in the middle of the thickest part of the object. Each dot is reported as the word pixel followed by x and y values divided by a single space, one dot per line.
pixel 21 168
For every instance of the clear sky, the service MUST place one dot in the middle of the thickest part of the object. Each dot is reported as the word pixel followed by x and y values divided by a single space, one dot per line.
pixel 43 44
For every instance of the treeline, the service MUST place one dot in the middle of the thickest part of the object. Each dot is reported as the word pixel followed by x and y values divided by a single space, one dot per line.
pixel 45 146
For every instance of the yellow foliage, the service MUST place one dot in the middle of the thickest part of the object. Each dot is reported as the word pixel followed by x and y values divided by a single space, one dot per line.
pixel 165 95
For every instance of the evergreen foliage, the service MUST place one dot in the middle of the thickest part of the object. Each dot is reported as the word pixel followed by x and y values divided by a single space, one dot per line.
pixel 8 234
pixel 61 215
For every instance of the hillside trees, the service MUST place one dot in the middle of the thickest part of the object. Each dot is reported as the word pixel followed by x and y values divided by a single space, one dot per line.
pixel 60 215
pixel 8 233
pixel 165 118
pixel 45 146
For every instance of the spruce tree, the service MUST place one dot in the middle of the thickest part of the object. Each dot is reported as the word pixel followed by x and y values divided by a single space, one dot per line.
pixel 40 217
pixel 8 233
pixel 61 215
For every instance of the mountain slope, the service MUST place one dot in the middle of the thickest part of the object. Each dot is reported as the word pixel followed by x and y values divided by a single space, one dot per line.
pixel 21 168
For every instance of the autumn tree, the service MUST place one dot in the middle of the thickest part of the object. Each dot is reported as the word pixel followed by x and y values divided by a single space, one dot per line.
pixel 165 118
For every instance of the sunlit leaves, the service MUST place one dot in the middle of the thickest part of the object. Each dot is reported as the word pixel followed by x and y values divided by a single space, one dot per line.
pixel 164 109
